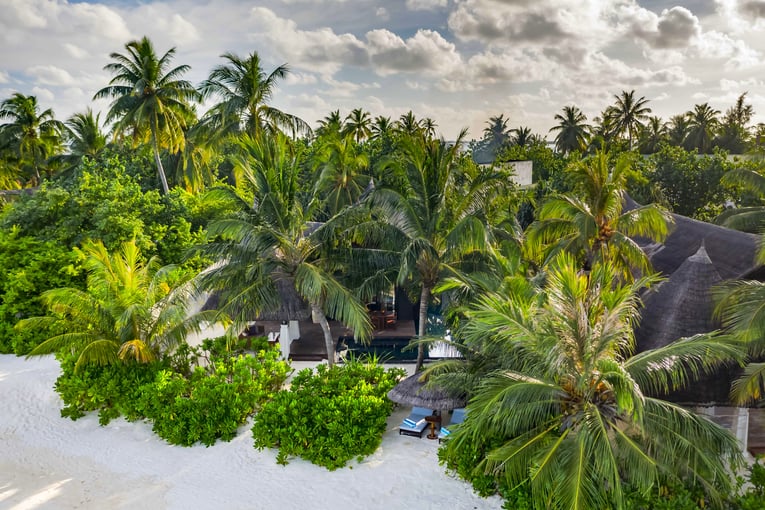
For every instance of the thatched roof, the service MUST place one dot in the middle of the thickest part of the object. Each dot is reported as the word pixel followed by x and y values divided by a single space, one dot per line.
pixel 413 392
pixel 732 253
pixel 681 306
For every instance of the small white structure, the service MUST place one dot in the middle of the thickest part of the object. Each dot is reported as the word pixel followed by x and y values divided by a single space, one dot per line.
pixel 285 339
pixel 522 171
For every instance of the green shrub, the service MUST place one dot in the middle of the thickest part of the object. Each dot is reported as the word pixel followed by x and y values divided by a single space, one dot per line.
pixel 212 405
pixel 328 416
pixel 112 390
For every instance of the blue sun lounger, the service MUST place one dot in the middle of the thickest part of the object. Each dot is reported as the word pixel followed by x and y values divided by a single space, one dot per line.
pixel 458 416
pixel 415 424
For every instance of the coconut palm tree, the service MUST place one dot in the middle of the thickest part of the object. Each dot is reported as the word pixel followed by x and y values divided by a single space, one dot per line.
pixel 522 136
pixel 84 137
pixel 244 90
pixel 342 172
pixel 330 125
pixel 751 218
pixel 275 243
pixel 734 134
pixel 677 130
pixel 148 96
pixel 652 135
pixel 627 114
pixel 438 222
pixel 358 123
pixel 131 309
pixel 565 405
pixel 592 223
pixel 572 129
pixel 31 136
pixel 381 127
pixel 702 125
pixel 496 133
pixel 408 124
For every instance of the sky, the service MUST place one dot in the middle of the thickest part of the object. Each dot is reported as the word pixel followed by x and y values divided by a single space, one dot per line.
pixel 458 62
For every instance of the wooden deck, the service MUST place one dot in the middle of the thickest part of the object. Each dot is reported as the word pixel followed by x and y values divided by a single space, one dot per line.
pixel 310 345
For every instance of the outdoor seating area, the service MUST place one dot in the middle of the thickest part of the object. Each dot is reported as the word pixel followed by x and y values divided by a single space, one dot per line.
pixel 458 416
pixel 416 423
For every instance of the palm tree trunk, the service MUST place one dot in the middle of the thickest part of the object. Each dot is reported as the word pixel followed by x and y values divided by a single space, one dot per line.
pixel 424 300
pixel 329 342
pixel 160 168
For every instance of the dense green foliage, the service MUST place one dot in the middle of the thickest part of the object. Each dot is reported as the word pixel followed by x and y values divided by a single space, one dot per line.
pixel 30 267
pixel 213 402
pixel 328 416
pixel 205 405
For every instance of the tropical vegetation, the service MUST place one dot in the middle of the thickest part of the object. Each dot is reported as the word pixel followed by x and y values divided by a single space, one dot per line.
pixel 111 229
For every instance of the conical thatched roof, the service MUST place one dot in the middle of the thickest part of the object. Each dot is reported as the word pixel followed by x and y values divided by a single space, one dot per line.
pixel 413 392
pixel 681 306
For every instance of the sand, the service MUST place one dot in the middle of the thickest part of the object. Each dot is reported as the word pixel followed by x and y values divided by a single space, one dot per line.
pixel 49 462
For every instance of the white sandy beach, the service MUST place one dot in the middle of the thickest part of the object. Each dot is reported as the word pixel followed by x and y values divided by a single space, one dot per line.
pixel 49 462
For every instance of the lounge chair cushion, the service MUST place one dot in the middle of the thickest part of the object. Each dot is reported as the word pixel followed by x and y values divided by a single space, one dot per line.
pixel 409 423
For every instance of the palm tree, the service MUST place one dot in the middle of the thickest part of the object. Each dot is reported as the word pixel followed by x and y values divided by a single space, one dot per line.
pixel 628 114
pixel 148 96
pixel 84 137
pixel 652 135
pixel 408 124
pixel 243 90
pixel 428 126
pixel 751 218
pixel 702 124
pixel 381 127
pixel 567 407
pixel 593 224
pixel 496 133
pixel 30 135
pixel 131 309
pixel 438 222
pixel 359 124
pixel 572 130
pixel 677 130
pixel 330 125
pixel 342 173
pixel 275 242
pixel 522 136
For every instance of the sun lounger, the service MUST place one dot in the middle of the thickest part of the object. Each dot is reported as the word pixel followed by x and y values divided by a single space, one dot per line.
pixel 458 416
pixel 415 424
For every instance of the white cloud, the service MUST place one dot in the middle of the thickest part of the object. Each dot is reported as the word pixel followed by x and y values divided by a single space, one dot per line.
pixel 425 5
pixel 382 13
pixel 43 94
pixel 426 51
pixel 50 75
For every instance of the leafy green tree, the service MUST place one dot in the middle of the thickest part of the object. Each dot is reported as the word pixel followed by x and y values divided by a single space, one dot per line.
pixel 129 310
pixel 591 223
pixel 102 201
pixel 274 241
pixel 496 134
pixel 147 96
pixel 571 410
pixel 381 127
pixel 686 183
pixel 702 125
pixel 30 267
pixel 331 125
pixel 30 135
pixel 244 90
pixel 627 115
pixel 437 221
pixel 572 130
